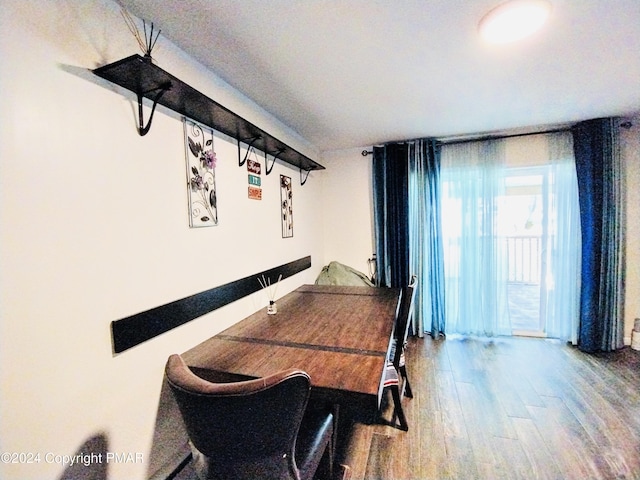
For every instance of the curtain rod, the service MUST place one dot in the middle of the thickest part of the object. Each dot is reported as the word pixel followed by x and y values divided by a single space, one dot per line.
pixel 481 138
pixel 625 124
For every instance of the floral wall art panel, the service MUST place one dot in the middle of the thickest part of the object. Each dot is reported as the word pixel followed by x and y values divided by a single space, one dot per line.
pixel 201 174
pixel 286 202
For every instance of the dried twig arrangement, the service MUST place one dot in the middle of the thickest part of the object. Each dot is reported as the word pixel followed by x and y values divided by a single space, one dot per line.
pixel 146 42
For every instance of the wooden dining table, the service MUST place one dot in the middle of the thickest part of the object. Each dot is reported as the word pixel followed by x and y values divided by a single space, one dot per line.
pixel 339 335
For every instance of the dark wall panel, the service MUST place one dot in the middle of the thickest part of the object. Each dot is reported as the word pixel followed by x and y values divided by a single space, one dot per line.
pixel 131 331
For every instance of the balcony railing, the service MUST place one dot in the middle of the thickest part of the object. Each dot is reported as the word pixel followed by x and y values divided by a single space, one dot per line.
pixel 523 254
pixel 524 259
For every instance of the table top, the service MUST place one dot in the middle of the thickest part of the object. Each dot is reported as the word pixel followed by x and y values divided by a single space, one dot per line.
pixel 339 335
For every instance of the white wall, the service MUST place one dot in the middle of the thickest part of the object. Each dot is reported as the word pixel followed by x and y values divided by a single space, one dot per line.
pixel 347 208
pixel 94 228
pixel 630 144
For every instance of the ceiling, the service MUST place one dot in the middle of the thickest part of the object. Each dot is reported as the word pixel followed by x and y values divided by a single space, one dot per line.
pixel 354 73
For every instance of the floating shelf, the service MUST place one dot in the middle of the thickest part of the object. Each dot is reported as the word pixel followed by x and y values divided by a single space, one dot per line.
pixel 146 80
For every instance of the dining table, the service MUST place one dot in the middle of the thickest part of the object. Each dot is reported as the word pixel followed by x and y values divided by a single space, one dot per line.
pixel 339 335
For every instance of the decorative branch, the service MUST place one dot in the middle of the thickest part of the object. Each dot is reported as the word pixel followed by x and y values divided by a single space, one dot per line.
pixel 145 42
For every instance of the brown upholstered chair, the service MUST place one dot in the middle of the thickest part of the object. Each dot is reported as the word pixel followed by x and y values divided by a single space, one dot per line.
pixel 396 365
pixel 255 429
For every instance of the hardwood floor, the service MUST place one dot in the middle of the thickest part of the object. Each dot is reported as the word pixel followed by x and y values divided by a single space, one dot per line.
pixel 507 408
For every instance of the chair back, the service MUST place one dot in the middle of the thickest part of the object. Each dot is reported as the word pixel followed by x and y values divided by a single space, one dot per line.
pixel 245 429
pixel 402 320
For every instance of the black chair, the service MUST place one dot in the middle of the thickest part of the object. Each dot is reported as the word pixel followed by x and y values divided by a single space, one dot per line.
pixel 255 429
pixel 396 364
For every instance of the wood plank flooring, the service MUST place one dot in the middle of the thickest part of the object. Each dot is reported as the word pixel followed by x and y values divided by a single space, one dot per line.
pixel 507 408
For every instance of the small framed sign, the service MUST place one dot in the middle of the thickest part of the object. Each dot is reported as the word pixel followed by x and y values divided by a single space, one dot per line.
pixel 254 167
pixel 254 180
pixel 255 193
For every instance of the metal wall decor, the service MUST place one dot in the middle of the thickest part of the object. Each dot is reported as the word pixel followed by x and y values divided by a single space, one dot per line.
pixel 201 174
pixel 286 204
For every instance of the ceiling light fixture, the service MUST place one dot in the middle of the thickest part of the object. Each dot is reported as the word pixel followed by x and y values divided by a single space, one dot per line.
pixel 514 20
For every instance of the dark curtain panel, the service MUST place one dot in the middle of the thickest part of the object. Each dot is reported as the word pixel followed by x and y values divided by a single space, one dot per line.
pixel 425 230
pixel 602 202
pixel 391 214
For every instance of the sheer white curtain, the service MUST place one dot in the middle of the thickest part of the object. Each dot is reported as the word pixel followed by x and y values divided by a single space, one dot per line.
pixel 561 295
pixel 473 193
pixel 475 261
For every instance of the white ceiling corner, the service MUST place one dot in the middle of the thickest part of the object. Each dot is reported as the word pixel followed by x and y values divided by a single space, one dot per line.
pixel 352 73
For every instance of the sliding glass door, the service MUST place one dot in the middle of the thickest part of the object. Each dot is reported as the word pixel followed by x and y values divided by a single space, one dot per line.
pixel 522 218
pixel 511 237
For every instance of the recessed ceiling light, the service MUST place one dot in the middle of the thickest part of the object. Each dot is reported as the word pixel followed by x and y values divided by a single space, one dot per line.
pixel 514 20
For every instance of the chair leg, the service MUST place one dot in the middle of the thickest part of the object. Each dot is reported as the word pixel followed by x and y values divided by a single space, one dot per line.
pixel 397 408
pixel 406 386
pixel 333 444
pixel 325 468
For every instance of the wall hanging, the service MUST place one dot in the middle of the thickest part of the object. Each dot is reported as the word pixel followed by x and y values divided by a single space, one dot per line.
pixel 255 193
pixel 286 202
pixel 254 169
pixel 201 174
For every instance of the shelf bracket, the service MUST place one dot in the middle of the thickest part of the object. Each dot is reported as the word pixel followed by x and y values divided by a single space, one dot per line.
pixel 275 155
pixel 142 129
pixel 146 80
pixel 249 142
pixel 303 181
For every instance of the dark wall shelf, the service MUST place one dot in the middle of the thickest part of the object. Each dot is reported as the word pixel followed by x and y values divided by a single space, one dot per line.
pixel 146 80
